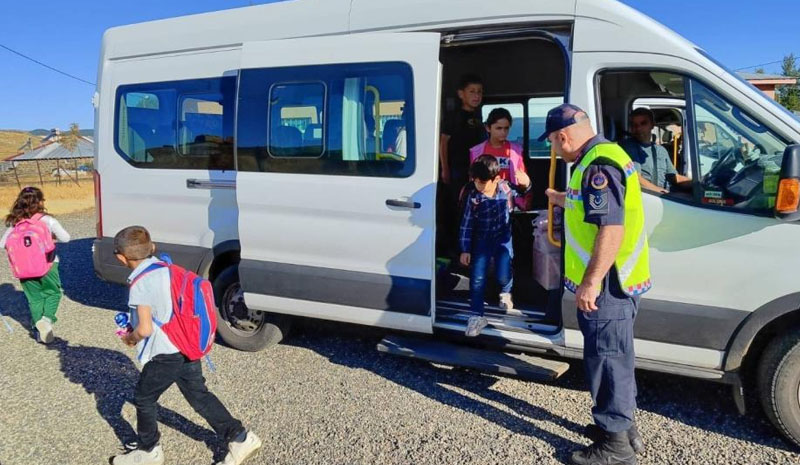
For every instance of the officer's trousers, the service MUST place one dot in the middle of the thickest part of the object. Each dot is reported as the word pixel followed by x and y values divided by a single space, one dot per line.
pixel 609 360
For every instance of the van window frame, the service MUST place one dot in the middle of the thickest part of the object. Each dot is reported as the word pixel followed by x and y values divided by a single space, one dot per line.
pixel 690 132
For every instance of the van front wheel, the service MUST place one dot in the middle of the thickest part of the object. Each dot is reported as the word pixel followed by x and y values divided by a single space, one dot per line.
pixel 779 384
pixel 237 325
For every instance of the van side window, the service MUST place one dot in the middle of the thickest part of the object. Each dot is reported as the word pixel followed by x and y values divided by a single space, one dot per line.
pixel 296 113
pixel 537 116
pixel 354 120
pixel 177 125
pixel 739 159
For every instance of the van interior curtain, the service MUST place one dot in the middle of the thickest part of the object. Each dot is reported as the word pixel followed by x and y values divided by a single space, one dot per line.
pixel 353 120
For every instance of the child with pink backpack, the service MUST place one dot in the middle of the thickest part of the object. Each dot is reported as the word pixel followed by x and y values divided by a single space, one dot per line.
pixel 32 255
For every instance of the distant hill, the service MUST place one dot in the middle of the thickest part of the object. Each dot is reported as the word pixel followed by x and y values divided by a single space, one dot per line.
pixel 11 141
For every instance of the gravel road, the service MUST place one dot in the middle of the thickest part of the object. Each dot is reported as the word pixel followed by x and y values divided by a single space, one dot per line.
pixel 326 397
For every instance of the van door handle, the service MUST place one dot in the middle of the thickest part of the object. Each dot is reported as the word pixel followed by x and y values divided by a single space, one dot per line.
pixel 403 203
pixel 209 184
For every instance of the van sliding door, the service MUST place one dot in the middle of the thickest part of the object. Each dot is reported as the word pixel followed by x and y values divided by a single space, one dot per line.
pixel 336 157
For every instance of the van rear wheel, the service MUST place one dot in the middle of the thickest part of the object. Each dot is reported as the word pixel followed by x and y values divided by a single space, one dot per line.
pixel 239 326
pixel 779 384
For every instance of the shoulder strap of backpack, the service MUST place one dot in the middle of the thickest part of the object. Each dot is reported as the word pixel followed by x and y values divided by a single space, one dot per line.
pixel 153 267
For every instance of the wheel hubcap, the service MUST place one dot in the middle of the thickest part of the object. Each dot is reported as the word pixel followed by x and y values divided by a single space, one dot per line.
pixel 237 315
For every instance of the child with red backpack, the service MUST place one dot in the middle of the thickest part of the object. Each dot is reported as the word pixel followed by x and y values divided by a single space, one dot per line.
pixel 173 321
pixel 32 255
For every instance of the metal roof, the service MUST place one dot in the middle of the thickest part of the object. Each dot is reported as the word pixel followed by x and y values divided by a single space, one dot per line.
pixel 762 76
pixel 55 151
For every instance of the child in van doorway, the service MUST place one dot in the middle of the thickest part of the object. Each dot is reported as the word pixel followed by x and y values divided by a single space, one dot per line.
pixel 508 154
pixel 485 235
pixel 31 252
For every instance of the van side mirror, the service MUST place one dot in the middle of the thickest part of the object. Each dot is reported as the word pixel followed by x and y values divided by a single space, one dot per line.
pixel 786 203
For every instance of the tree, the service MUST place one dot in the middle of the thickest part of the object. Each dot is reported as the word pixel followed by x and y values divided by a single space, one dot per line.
pixel 789 96
pixel 70 140
pixel 760 71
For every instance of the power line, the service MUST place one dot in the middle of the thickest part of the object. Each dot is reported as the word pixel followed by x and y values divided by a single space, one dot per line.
pixel 46 66
pixel 762 64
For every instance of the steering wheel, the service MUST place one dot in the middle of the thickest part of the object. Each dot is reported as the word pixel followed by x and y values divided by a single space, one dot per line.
pixel 723 166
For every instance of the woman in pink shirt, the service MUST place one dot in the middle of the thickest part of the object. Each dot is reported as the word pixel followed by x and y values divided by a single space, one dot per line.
pixel 508 154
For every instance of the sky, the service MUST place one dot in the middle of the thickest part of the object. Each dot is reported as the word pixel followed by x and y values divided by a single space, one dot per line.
pixel 66 36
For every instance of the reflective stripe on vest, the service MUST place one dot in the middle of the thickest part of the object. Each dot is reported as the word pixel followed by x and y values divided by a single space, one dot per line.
pixel 632 261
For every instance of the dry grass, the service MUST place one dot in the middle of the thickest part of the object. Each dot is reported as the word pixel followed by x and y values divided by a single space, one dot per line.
pixel 10 141
pixel 66 198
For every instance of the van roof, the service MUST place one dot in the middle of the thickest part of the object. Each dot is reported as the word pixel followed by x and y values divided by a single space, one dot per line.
pixel 305 18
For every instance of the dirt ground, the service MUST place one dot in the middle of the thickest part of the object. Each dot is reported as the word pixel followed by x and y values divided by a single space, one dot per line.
pixel 59 199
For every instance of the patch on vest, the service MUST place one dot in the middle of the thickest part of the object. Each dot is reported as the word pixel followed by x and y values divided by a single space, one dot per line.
pixel 599 181
pixel 598 203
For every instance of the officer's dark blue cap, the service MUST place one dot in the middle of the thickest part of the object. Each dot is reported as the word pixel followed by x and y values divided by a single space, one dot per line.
pixel 560 117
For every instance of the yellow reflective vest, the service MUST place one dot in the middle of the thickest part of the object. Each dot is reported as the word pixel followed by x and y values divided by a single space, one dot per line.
pixel 632 262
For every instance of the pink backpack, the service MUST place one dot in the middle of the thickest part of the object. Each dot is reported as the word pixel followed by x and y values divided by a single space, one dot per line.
pixel 29 245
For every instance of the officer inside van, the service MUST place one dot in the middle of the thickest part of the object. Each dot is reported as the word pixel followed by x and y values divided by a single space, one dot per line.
pixel 606 266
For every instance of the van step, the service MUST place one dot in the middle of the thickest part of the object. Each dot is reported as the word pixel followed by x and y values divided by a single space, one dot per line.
pixel 522 366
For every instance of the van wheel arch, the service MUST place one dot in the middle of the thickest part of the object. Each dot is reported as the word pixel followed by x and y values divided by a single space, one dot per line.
pixel 759 329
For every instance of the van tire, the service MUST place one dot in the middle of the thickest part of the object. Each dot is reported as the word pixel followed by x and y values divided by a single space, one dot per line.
pixel 269 328
pixel 779 383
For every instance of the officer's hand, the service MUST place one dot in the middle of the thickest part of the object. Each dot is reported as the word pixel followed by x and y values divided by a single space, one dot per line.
pixel 465 259
pixel 555 197
pixel 522 179
pixel 586 297
pixel 445 177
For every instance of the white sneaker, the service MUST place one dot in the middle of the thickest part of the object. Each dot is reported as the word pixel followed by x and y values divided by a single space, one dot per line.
pixel 45 328
pixel 140 457
pixel 505 301
pixel 475 325
pixel 238 452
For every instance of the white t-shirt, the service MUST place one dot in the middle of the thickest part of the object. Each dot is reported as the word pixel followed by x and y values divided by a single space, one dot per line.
pixel 53 225
pixel 152 290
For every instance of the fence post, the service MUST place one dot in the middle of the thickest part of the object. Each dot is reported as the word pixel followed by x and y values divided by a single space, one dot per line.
pixel 16 175
pixel 39 169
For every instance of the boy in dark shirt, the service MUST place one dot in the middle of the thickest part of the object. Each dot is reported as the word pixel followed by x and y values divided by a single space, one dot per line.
pixel 461 130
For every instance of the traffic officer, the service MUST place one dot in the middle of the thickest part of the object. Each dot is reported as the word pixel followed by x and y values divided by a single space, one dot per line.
pixel 607 267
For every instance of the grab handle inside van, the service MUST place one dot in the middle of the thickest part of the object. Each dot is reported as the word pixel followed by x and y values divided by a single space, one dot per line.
pixel 550 207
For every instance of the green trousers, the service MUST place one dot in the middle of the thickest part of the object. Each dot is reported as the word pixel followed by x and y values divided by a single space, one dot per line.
pixel 43 294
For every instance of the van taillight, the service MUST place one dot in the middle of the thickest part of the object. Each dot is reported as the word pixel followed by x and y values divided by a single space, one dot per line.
pixel 788 196
pixel 98 205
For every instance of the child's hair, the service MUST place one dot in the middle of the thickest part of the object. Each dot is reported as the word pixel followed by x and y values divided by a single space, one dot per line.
pixel 468 79
pixel 133 243
pixel 497 114
pixel 28 203
pixel 485 168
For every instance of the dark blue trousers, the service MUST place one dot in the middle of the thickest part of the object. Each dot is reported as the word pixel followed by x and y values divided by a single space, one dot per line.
pixel 483 252
pixel 609 359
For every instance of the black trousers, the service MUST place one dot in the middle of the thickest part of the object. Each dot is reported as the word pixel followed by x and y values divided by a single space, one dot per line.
pixel 157 376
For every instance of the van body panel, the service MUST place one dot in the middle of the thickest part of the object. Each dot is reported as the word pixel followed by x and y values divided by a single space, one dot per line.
pixel 229 27
pixel 199 218
pixel 362 251
pixel 661 352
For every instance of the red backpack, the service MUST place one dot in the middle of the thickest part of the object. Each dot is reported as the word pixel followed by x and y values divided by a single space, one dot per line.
pixel 193 324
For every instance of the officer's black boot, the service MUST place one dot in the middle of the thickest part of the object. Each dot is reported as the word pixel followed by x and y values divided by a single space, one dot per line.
pixel 595 433
pixel 612 449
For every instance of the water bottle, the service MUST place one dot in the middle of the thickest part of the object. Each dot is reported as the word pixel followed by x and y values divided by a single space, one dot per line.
pixel 122 319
